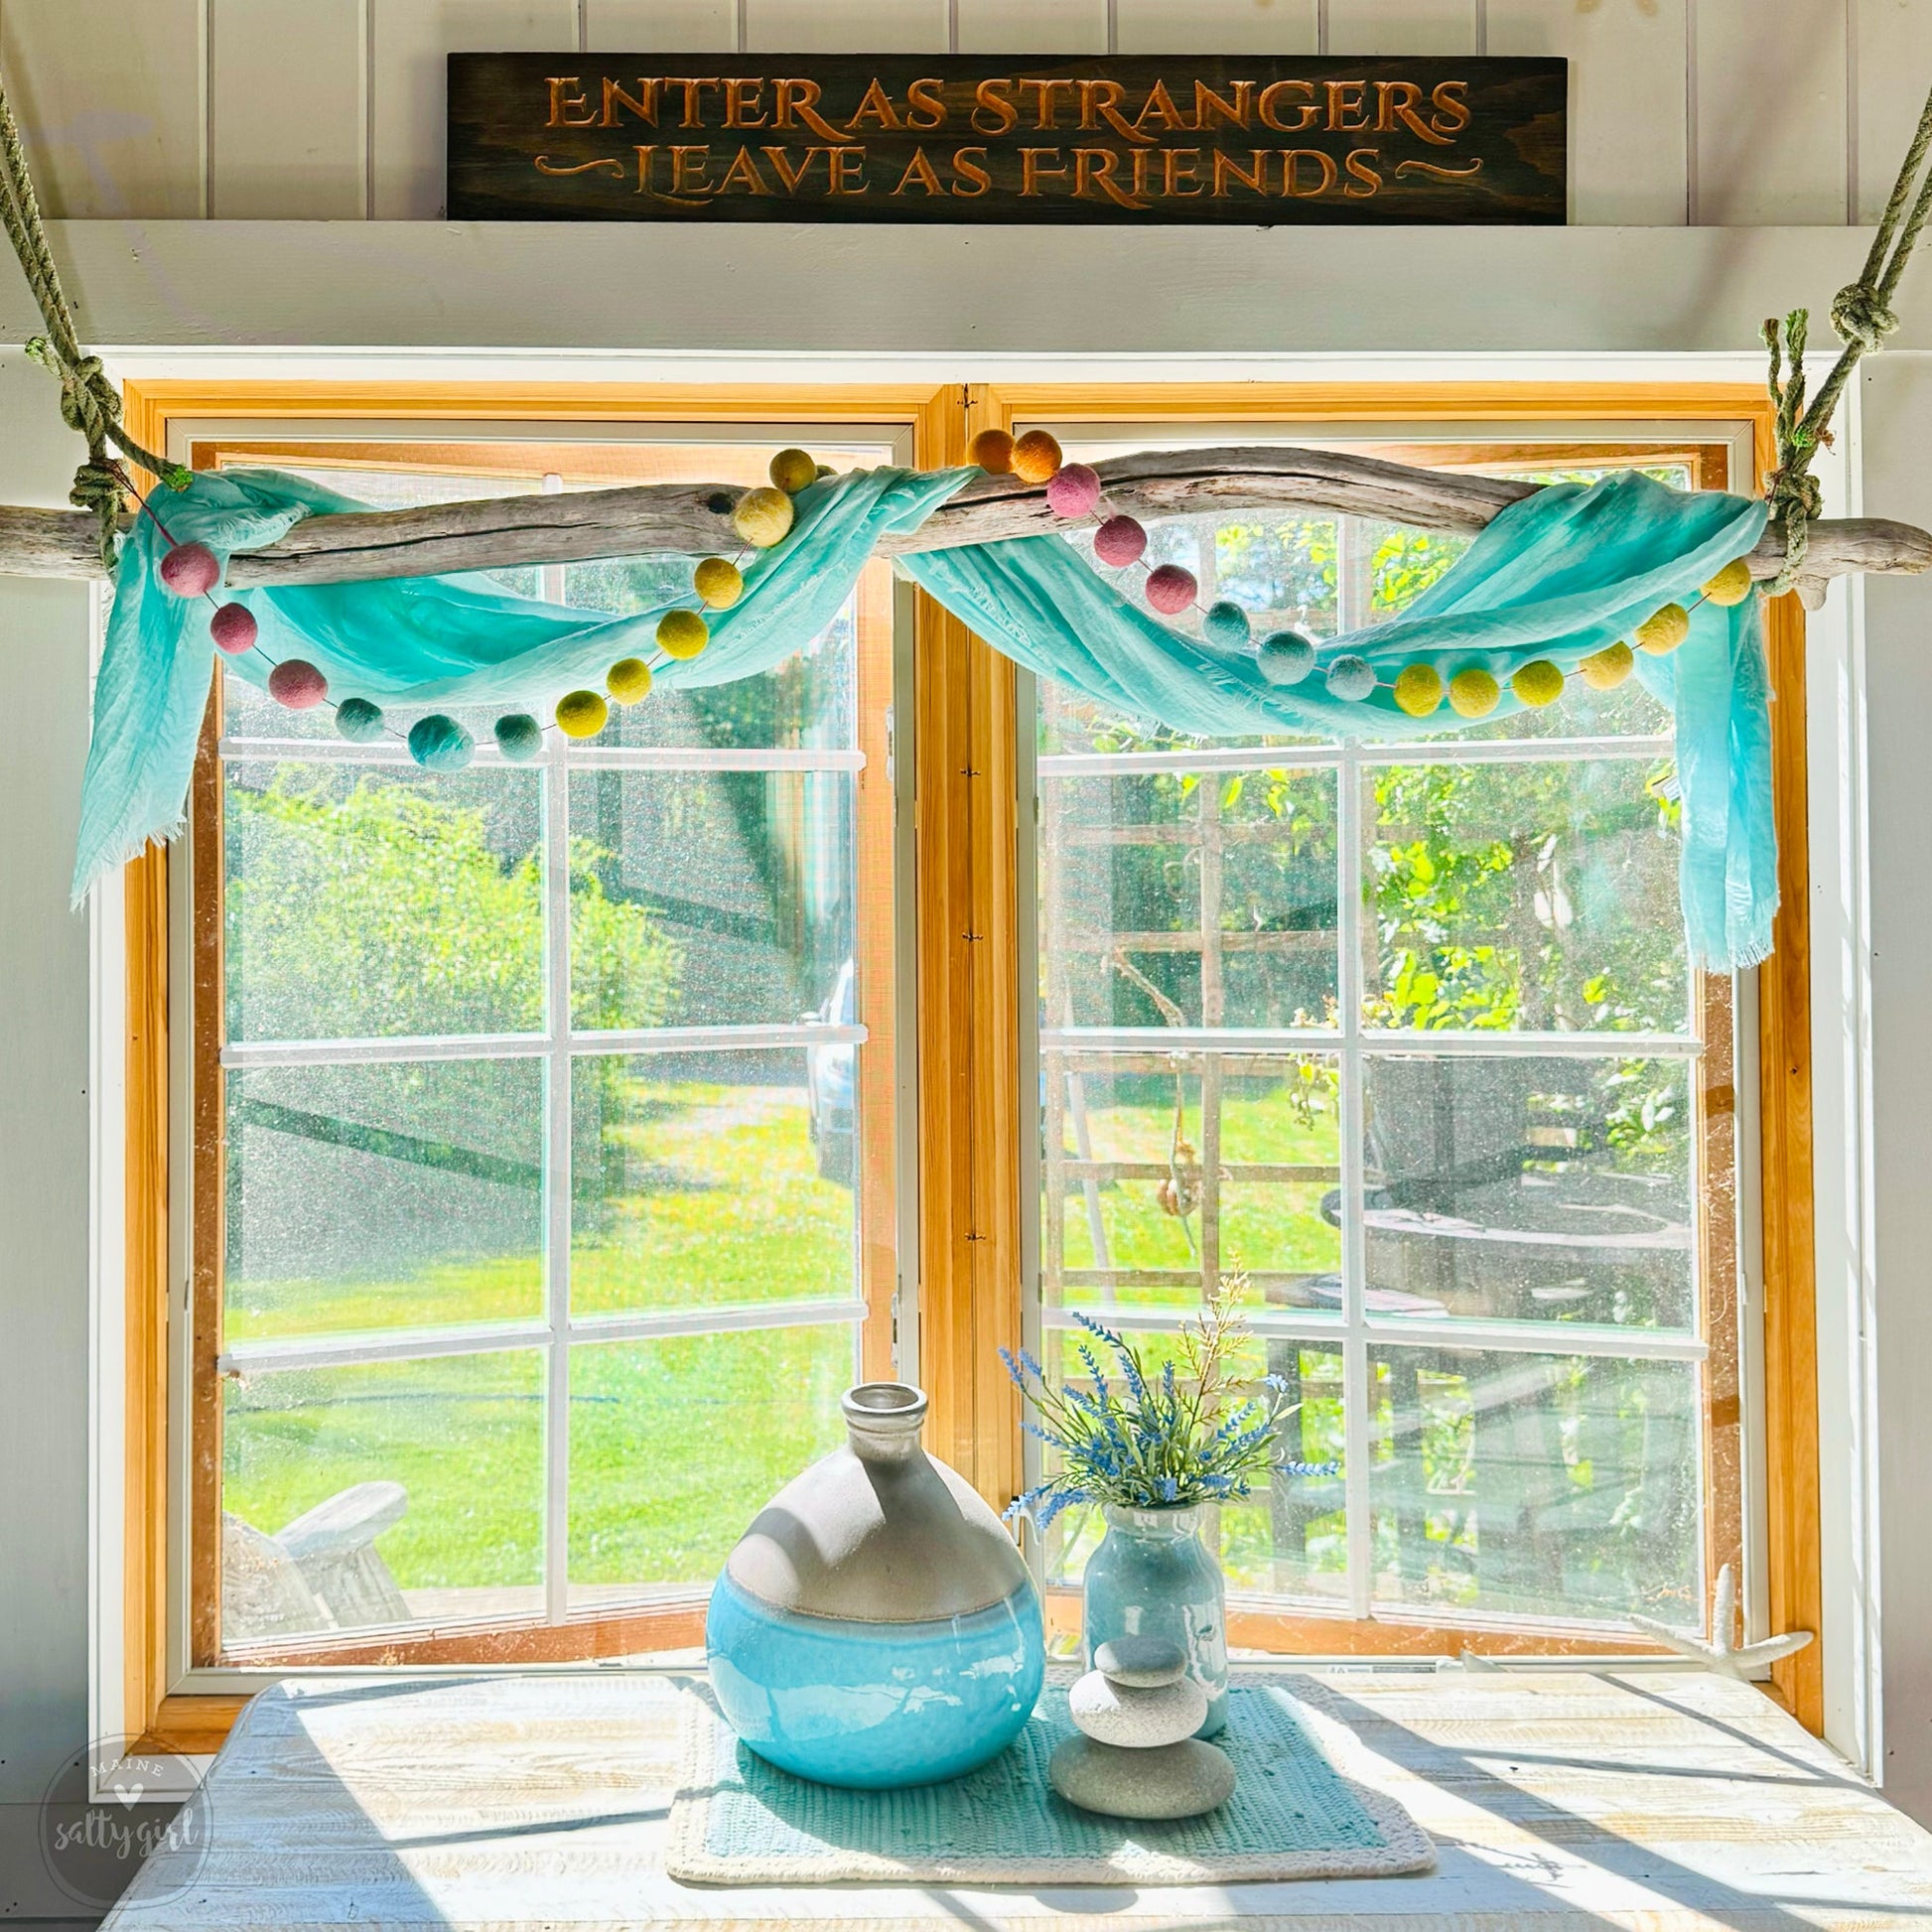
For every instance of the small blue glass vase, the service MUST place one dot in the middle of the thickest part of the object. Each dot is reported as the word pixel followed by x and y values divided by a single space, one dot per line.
pixel 876 1626
pixel 1152 1577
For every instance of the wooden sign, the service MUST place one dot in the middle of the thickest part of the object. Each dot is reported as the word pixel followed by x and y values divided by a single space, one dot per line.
pixel 774 137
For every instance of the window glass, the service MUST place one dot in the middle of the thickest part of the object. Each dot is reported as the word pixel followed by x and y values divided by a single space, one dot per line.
pixel 1406 1034
pixel 528 1297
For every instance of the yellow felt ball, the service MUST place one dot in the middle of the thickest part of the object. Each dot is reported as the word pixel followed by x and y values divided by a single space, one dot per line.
pixel 1418 689
pixel 1035 457
pixel 628 680
pixel 1608 667
pixel 682 633
pixel 992 449
pixel 1663 630
pixel 763 517
pixel 1733 583
pixel 582 714
pixel 1473 693
pixel 1538 683
pixel 792 470
pixel 719 582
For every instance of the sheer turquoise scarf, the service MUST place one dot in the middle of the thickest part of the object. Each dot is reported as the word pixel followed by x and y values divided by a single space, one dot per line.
pixel 1558 575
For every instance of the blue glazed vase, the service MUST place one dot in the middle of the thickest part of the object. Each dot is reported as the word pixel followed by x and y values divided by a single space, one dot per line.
pixel 876 1626
pixel 1152 1577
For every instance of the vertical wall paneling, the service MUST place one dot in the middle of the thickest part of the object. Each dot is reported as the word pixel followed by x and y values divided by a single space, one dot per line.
pixel 1896 423
pixel 1402 25
pixel 109 97
pixel 1890 40
pixel 407 85
pixel 44 1150
pixel 669 25
pixel 846 26
pixel 1217 26
pixel 1770 129
pixel 1037 26
pixel 1628 126
pixel 287 141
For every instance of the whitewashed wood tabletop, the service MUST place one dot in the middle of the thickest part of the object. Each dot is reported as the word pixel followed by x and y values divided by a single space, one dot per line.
pixel 1656 1801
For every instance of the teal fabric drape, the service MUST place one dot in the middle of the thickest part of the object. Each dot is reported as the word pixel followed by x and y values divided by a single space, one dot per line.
pixel 430 640
pixel 1558 575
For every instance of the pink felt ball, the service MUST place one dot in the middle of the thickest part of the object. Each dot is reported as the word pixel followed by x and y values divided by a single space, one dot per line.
pixel 1170 588
pixel 190 570
pixel 1119 541
pixel 233 629
pixel 297 684
pixel 1072 491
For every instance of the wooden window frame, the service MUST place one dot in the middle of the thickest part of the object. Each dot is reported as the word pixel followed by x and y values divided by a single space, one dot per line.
pixel 970 1112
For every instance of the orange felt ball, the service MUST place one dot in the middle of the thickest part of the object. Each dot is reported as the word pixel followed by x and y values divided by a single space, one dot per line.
pixel 993 451
pixel 1035 457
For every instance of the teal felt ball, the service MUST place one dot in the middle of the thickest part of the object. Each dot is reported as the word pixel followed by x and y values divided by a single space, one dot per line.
pixel 1351 679
pixel 1225 624
pixel 358 721
pixel 439 744
pixel 519 737
pixel 1286 658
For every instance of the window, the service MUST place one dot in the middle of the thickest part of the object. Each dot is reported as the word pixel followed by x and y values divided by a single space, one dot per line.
pixel 550 1203
pixel 1406 1033
pixel 500 1328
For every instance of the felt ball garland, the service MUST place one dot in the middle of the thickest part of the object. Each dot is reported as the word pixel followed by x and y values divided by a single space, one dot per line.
pixel 764 516
pixel 1074 492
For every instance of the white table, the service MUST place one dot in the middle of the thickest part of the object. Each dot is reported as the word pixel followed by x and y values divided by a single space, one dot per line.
pixel 1651 1800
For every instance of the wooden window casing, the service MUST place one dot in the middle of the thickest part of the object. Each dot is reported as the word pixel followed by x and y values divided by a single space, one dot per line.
pixel 971 1113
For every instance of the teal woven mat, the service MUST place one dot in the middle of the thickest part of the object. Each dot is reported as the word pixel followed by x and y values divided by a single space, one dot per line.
pixel 737 1819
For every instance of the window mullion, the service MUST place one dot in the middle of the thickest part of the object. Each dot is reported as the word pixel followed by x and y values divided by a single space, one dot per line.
pixel 556 1152
pixel 1353 586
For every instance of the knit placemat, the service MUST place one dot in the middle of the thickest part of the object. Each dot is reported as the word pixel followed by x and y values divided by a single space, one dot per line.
pixel 737 1819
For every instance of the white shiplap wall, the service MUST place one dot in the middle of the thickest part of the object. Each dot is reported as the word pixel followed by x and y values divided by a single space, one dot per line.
pixel 1719 113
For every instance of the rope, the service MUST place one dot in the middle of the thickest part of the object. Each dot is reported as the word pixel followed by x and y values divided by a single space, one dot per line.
pixel 89 403
pixel 1862 317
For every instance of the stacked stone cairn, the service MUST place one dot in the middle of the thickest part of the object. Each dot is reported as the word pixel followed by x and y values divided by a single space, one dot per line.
pixel 1136 1756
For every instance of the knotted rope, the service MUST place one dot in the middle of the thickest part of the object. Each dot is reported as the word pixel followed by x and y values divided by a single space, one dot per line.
pixel 89 403
pixel 1862 316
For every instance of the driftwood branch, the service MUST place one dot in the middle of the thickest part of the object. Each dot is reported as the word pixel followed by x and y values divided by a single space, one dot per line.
pixel 578 525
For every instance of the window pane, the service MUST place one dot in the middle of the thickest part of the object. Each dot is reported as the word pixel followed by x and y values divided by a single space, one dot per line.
pixel 391 1492
pixel 807 702
pixel 1531 1189
pixel 709 899
pixel 713 1180
pixel 1540 896
pixel 1189 898
pixel 1547 1485
pixel 1288 1537
pixel 375 900
pixel 1138 1180
pixel 383 1197
pixel 676 1444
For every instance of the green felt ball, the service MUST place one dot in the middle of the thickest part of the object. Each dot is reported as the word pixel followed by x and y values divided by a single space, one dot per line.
pixel 1286 658
pixel 1225 624
pixel 439 744
pixel 1474 693
pixel 1537 683
pixel 519 737
pixel 1418 689
pixel 358 721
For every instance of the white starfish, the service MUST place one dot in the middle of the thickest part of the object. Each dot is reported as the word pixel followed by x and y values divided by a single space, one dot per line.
pixel 1720 1654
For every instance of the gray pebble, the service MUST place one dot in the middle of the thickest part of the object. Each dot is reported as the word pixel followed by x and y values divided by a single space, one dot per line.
pixel 1177 1781
pixel 1137 1719
pixel 1142 1663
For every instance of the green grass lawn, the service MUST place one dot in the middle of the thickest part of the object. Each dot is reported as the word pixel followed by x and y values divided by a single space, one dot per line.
pixel 707 1195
